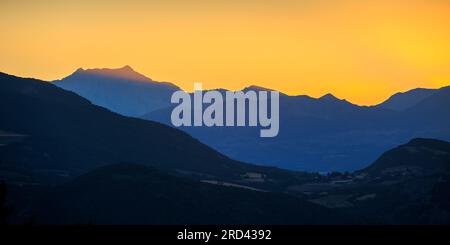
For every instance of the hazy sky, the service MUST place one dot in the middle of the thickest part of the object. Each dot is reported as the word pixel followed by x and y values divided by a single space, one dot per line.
pixel 362 51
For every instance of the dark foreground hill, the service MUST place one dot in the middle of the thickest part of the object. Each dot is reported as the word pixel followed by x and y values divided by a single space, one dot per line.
pixel 135 194
pixel 409 184
pixel 61 131
pixel 422 156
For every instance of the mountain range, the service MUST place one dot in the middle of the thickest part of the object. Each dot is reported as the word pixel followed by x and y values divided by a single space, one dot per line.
pixel 316 134
pixel 63 159
pixel 68 161
pixel 61 131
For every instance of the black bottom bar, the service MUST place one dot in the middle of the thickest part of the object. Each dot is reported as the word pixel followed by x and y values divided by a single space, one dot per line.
pixel 138 234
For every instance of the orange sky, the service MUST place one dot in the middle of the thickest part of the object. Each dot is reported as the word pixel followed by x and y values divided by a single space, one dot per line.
pixel 362 51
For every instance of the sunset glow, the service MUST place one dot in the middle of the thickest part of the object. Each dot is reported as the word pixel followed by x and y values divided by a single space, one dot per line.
pixel 362 51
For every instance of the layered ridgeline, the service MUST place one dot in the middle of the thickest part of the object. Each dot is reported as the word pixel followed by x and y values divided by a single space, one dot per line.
pixel 330 134
pixel 55 137
pixel 62 159
pixel 401 101
pixel 61 131
pixel 122 90
pixel 322 134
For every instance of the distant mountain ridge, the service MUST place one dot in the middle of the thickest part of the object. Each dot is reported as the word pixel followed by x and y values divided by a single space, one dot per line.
pixel 125 72
pixel 316 134
pixel 328 133
pixel 402 101
pixel 121 90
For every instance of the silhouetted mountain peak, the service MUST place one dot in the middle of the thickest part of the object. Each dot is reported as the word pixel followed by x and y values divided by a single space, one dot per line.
pixel 256 88
pixel 125 72
pixel 79 70
pixel 126 68
pixel 260 88
pixel 329 97
pixel 122 90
